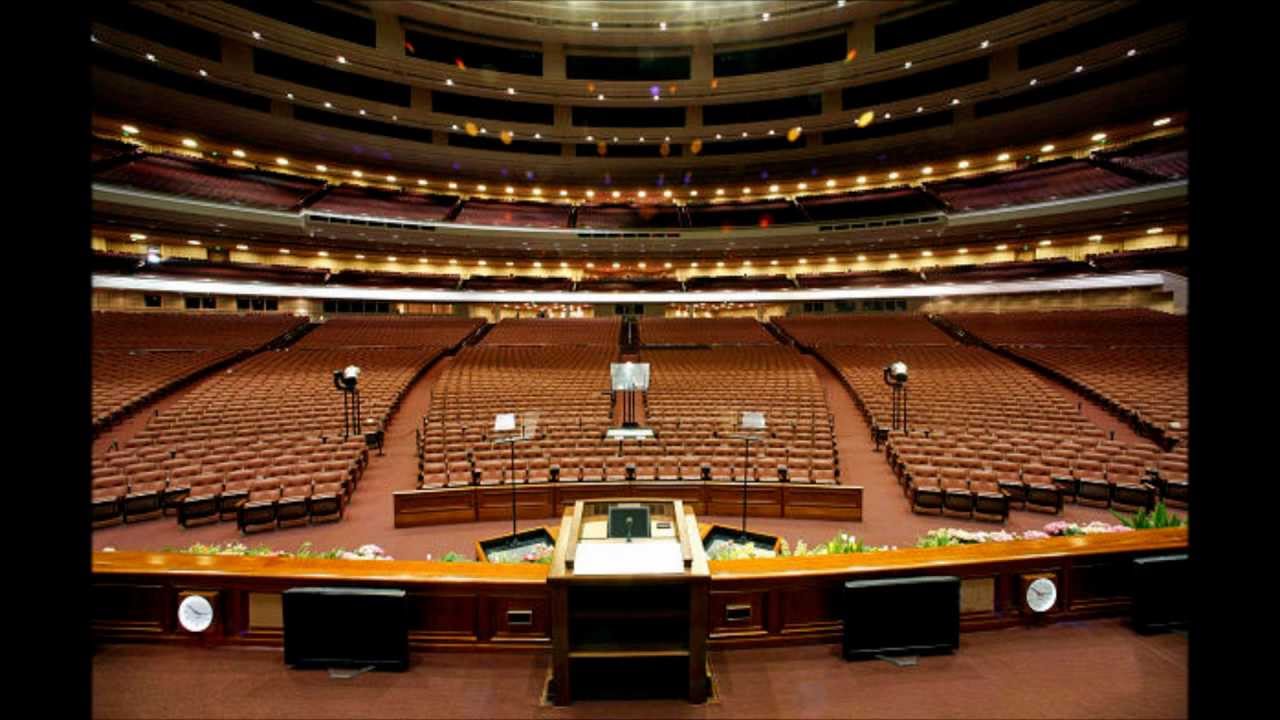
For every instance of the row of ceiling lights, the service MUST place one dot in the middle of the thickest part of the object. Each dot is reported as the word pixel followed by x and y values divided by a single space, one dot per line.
pixel 138 237
pixel 775 188
pixel 655 90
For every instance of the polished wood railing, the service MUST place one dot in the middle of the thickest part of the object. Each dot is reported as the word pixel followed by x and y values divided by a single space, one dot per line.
pixel 790 600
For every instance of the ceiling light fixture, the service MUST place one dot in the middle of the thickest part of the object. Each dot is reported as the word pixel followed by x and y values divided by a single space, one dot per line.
pixel 342 59
pixel 1098 137
pixel 357 173
pixel 861 180
pixel 238 153
pixel 1046 148
pixel 1155 230
pixel 1002 247
pixel 1002 157
pixel 188 142
pixel 129 129
pixel 1162 121
pixel 282 161
pixel 1095 238
pixel 242 247
pixel 963 164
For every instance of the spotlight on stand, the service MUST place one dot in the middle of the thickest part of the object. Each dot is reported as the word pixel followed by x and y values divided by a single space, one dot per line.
pixel 895 376
pixel 345 381
pixel 895 373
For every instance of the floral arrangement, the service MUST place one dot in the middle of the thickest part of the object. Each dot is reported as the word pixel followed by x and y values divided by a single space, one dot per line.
pixel 841 544
pixel 1062 528
pixel 942 537
pixel 364 552
pixel 452 556
pixel 539 553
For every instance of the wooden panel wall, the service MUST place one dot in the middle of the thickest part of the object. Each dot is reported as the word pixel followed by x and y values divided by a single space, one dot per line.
pixel 465 504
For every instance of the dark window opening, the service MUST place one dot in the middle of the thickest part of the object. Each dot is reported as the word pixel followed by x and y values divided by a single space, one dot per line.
pixel 192 302
pixel 944 19
pixel 1083 82
pixel 592 67
pixel 352 84
pixel 817 51
pixel 138 21
pixel 151 301
pixel 473 107
pixel 791 107
pixel 474 56
pixel 318 17
pixel 1132 20
pixel 359 124
pixel 628 117
pixel 193 85
pixel 922 83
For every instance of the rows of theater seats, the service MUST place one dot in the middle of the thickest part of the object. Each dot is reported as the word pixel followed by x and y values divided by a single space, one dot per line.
pixel 264 441
pixel 138 356
pixel 1132 360
pixel 696 399
pixel 204 181
pixel 560 393
pixel 982 433
pixel 702 331
pixel 582 331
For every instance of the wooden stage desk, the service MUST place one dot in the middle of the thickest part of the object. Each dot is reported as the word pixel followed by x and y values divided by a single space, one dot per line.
pixel 628 602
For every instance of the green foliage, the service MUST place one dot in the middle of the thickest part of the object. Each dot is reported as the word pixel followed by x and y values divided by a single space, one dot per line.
pixel 452 556
pixel 1145 519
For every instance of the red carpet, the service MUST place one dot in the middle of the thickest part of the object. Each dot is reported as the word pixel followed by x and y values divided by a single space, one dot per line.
pixel 1072 670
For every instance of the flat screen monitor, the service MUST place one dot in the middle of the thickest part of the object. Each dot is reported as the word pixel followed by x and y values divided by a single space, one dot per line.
pixel 333 627
pixel 1160 592
pixel 629 521
pixel 901 616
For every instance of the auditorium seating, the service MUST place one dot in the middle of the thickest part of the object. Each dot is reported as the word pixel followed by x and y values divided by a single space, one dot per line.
pixel 976 422
pixel 377 278
pixel 560 385
pixel 1164 158
pixel 621 216
pixel 695 403
pixel 869 203
pixel 1041 182
pixel 513 214
pixel 204 181
pixel 1134 361
pixel 262 443
pixel 739 282
pixel 629 284
pixel 368 202
pixel 137 356
pixel 749 214
pixel 562 389
pixel 549 331
pixel 703 331
pixel 515 282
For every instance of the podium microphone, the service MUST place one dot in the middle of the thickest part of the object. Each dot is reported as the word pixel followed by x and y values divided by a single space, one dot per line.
pixel 629 528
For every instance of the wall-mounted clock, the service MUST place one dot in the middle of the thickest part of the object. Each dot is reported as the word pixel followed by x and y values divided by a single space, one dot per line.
pixel 1039 593
pixel 195 613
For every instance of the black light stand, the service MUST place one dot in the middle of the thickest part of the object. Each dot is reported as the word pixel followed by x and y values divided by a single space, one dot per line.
pixel 746 437
pixel 895 376
pixel 345 381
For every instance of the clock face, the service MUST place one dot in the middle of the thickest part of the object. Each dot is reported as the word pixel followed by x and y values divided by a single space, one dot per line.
pixel 195 614
pixel 1041 594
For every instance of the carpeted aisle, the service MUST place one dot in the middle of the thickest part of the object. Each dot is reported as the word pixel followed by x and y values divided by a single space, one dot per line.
pixel 1070 670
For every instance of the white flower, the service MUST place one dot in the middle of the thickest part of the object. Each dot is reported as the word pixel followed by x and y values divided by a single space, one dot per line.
pixel 369 549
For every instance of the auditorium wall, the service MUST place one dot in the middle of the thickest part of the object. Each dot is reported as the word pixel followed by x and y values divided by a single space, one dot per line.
pixel 1157 300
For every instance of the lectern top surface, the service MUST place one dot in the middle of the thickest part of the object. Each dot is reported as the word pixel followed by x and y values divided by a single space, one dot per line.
pixel 613 557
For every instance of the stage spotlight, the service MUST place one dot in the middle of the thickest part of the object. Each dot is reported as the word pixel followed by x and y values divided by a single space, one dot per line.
pixel 895 373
